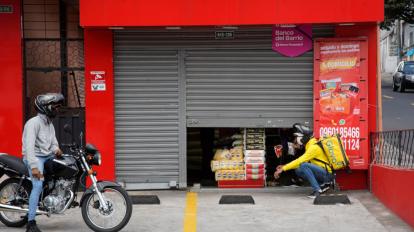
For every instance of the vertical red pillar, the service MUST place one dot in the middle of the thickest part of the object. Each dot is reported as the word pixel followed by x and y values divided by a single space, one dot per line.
pixel 100 97
pixel 11 78
pixel 359 179
pixel 369 31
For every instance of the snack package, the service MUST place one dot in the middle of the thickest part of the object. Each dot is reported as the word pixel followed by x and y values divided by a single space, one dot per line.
pixel 222 154
pixel 237 143
pixel 237 152
pixel 237 137
pixel 215 165
pixel 254 176
pixel 254 170
pixel 231 164
pixel 255 153
pixel 254 160
pixel 251 166
pixel 255 147
pixel 230 175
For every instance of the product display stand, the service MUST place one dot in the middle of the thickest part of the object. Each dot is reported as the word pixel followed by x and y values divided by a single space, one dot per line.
pixel 254 154
pixel 254 161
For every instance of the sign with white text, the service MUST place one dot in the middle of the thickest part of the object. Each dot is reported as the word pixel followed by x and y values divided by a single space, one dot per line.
pixel 292 40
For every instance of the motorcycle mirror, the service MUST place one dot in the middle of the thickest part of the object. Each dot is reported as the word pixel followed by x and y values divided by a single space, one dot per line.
pixel 67 129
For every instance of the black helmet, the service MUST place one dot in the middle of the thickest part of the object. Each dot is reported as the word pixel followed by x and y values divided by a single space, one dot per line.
pixel 302 131
pixel 48 103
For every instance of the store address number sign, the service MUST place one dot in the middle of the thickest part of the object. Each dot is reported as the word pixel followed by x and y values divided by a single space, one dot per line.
pixel 4 9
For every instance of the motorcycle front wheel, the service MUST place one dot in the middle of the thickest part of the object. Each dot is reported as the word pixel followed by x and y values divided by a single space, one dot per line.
pixel 111 220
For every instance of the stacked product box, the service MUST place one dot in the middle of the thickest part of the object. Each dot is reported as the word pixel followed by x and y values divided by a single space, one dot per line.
pixel 254 154
pixel 228 164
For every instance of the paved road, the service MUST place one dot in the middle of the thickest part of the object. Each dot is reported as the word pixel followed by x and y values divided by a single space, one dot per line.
pixel 275 209
pixel 397 108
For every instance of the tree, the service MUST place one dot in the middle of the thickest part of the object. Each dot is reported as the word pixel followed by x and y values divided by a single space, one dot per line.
pixel 397 10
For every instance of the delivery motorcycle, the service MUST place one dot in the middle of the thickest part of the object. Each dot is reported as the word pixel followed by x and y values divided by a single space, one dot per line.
pixel 105 205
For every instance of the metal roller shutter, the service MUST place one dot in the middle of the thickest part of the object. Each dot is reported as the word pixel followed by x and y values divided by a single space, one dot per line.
pixel 248 88
pixel 248 84
pixel 146 117
pixel 166 80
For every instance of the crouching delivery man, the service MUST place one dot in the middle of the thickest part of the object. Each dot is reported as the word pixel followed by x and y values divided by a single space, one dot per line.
pixel 312 164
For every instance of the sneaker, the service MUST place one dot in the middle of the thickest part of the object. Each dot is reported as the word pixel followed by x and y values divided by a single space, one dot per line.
pixel 315 194
pixel 325 187
pixel 32 227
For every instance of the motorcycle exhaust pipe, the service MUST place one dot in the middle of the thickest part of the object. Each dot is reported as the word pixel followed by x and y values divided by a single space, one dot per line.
pixel 16 209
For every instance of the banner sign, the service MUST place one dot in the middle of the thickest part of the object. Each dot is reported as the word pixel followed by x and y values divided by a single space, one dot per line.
pixel 338 96
pixel 292 40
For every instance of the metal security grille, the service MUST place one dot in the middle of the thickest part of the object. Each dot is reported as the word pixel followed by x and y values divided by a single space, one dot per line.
pixel 393 148
pixel 146 117
pixel 248 88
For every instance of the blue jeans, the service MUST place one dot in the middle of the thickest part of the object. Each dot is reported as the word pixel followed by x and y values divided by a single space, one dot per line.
pixel 37 185
pixel 314 174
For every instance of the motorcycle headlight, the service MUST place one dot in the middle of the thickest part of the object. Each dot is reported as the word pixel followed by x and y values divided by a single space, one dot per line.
pixel 96 160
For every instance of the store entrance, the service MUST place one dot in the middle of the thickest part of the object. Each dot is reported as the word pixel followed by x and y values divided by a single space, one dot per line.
pixel 239 156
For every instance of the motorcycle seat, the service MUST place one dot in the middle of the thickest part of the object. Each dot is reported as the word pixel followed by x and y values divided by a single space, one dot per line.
pixel 14 163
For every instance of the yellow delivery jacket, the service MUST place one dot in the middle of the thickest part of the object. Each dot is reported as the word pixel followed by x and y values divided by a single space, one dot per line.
pixel 312 151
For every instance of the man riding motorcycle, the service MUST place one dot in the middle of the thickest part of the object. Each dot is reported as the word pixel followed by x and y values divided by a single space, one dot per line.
pixel 39 145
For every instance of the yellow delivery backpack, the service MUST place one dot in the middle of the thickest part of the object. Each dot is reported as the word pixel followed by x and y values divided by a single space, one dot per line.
pixel 334 150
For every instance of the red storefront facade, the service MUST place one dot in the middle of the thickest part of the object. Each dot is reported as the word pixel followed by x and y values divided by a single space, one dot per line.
pixel 100 19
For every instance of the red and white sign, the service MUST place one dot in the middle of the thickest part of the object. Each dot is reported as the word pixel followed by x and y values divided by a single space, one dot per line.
pixel 340 96
pixel 98 81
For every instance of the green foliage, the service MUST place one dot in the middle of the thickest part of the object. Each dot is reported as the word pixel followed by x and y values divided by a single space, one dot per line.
pixel 397 9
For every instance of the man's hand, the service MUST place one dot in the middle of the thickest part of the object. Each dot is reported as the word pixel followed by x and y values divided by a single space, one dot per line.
pixel 58 153
pixel 279 170
pixel 36 173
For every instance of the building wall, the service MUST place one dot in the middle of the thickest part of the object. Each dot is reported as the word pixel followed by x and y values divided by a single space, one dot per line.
pixel 11 80
pixel 394 188
pixel 42 49
pixel 388 62
pixel 409 39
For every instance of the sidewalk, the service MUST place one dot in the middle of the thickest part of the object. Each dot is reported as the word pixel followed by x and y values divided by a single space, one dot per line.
pixel 275 209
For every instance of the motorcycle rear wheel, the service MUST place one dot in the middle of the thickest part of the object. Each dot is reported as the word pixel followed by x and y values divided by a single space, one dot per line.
pixel 10 194
pixel 114 219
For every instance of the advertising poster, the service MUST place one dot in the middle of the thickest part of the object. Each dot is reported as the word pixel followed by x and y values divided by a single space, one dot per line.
pixel 292 40
pixel 338 96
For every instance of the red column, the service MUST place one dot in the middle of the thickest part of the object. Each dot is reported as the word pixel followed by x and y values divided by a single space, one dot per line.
pixel 369 31
pixel 359 179
pixel 11 80
pixel 100 101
